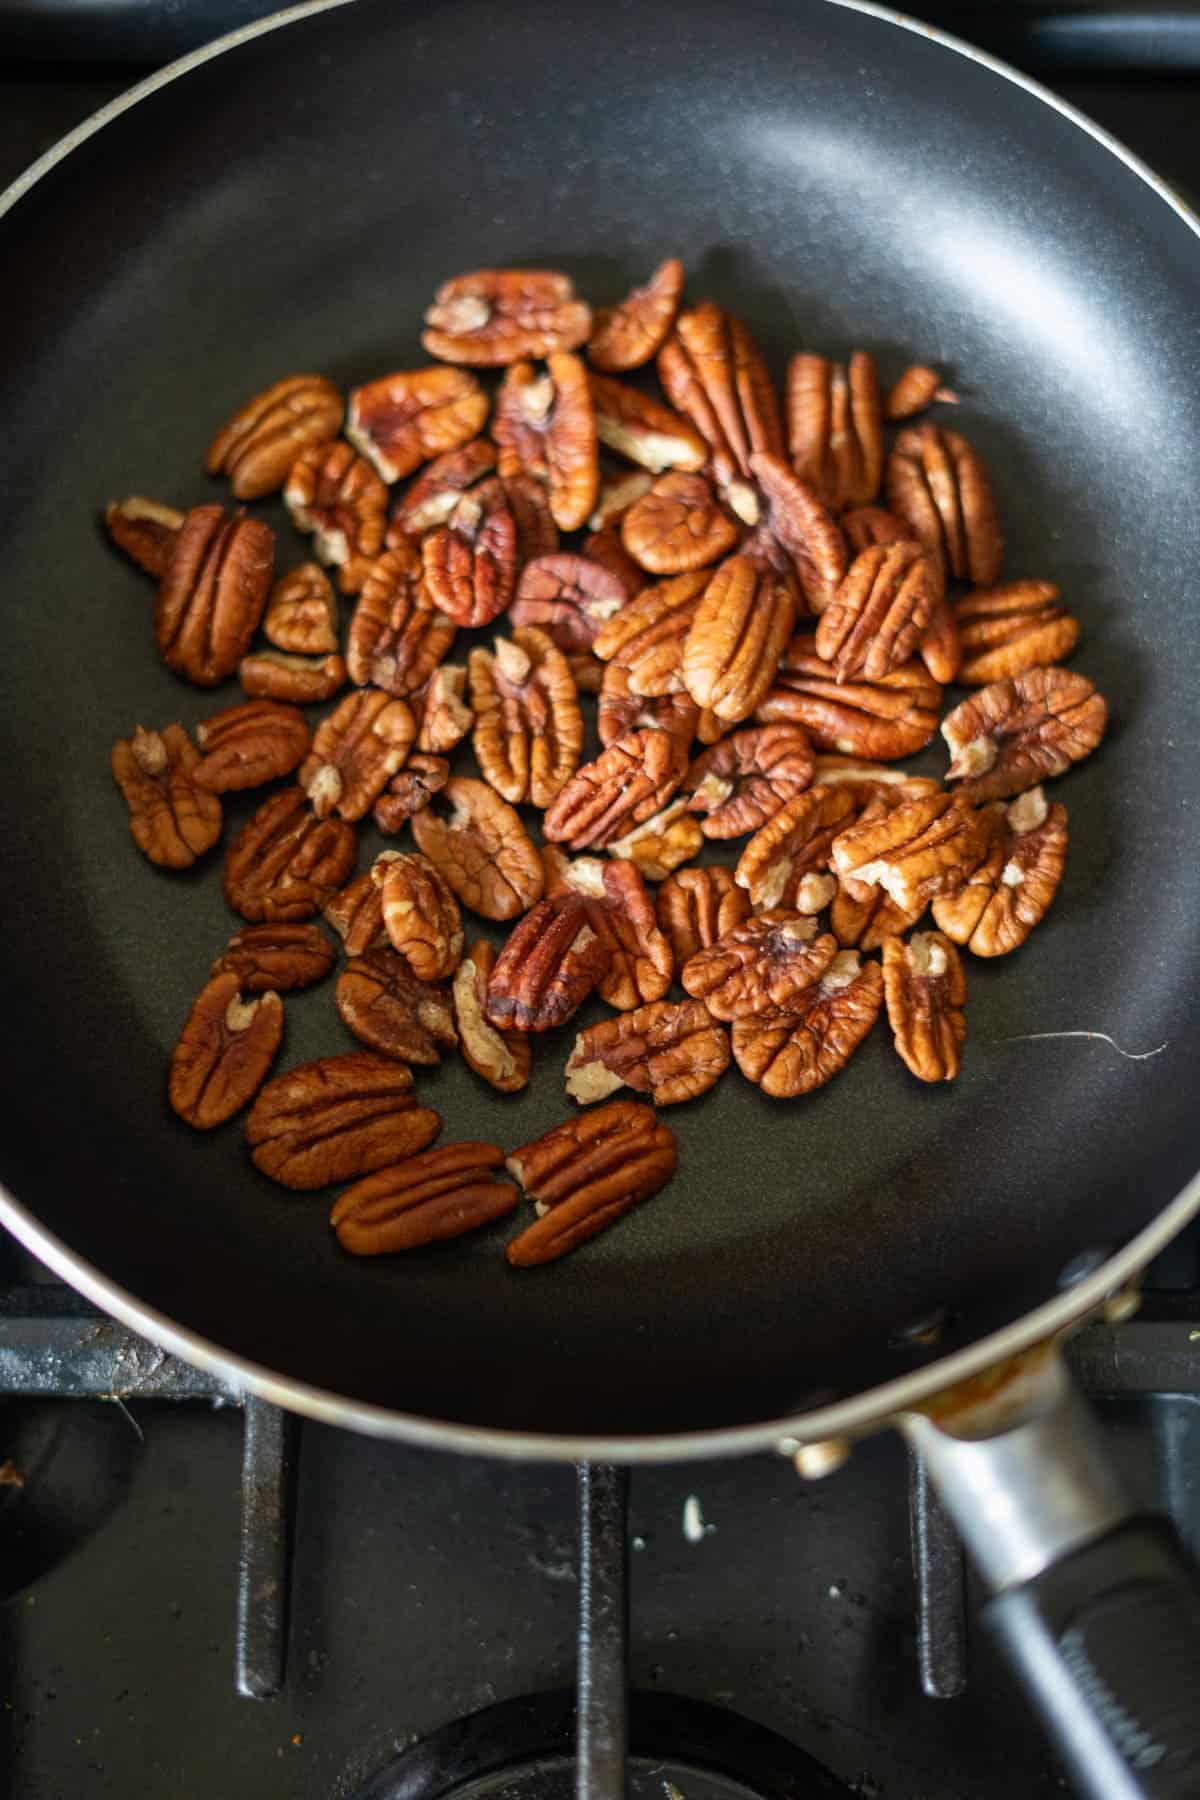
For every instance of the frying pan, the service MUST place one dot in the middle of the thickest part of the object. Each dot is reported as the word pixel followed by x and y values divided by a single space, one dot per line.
pixel 289 199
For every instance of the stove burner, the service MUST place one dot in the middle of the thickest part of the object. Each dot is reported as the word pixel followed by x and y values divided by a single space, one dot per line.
pixel 68 1466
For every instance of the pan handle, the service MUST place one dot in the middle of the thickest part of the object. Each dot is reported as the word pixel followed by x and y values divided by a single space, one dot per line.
pixel 1097 1607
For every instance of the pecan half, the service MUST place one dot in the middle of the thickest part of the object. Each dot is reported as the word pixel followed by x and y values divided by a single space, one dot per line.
pixel 660 843
pixel 797 534
pixel 296 680
pixel 698 906
pixel 585 1175
pixel 503 1058
pixel 761 966
pixel 861 917
pixel 627 336
pixel 795 1052
pixel 397 635
pixel 399 421
pixel 275 957
pixel 670 1051
pixel 621 913
pixel 882 720
pixel 224 1051
pixel 621 710
pixel 355 752
pixel 172 820
pixel 863 526
pixel 587 669
pixel 617 493
pixel 940 648
pixel 420 913
pixel 736 639
pixel 925 990
pixel 391 1010
pixel 545 426
pixel 636 425
pixel 646 637
pixel 713 372
pixel 918 388
pixel 1012 888
pixel 437 490
pixel 337 1118
pixel 495 316
pixel 937 484
pixel 426 1199
pixel 259 445
pixel 336 494
pixel 605 547
pixel 410 790
pixel 835 427
pixel 1006 630
pixel 881 609
pixel 528 726
pixel 285 864
pixel 871 780
pixel 356 914
pixel 537 534
pixel 914 851
pixel 795 842
pixel 1017 732
pixel 569 597
pixel 470 563
pixel 443 717
pixel 744 780
pixel 245 746
pixel 212 593
pixel 302 614
pixel 550 964
pixel 633 778
pixel 145 530
pixel 678 525
pixel 482 849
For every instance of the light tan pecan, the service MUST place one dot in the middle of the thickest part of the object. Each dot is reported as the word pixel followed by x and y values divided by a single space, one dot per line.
pixel 835 427
pixel 678 525
pixel 401 420
pixel 224 1051
pixel 744 780
pixel 356 914
pixel 796 533
pixel 646 637
pixel 1006 630
pixel 761 966
pixel 670 1051
pixel 410 790
pixel 502 1058
pixel 336 495
pixel 641 428
pixel 633 778
pixel 605 547
pixel 277 958
pixel 420 913
pixel 261 442
pixel 937 483
pixel 621 711
pixel 621 913
pixel 295 680
pixel 337 1118
pixel 627 336
pixel 393 1011
pixel 698 906
pixel 144 529
pixel 569 597
pixel 880 612
pixel 545 427
pixel 425 1199
pixel 918 388
pixel 660 843
pixel 1012 888
pixel 398 636
pixel 914 851
pixel 713 372
pixel 495 316
pixel 482 849
pixel 881 720
pixel 437 490
pixel 529 503
pixel 443 716
pixel 247 745
pixel 1017 732
pixel 302 614
pixel 617 493
pixel 285 864
pixel 528 726
pixel 739 632
pixel 550 964
pixel 212 593
pixel 470 562
pixel 355 752
pixel 585 1175
pixel 794 845
pixel 863 526
pixel 172 820
pixel 793 1053
pixel 926 990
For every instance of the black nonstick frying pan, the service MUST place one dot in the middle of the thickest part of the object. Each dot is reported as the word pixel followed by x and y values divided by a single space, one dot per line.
pixel 841 178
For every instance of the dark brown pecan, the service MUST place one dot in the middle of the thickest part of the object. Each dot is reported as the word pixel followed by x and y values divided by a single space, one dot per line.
pixel 337 495
pixel 636 425
pixel 420 913
pixel 678 525
pixel 528 726
pixel 397 636
pixel 426 1199
pixel 529 503
pixel 545 427
pixel 437 490
pixel 941 647
pixel 410 790
pixel 587 669
pixel 616 495
pixel 356 914
pixel 261 442
pixel 391 1010
pixel 224 1051
pixel 503 1058
pixel 835 427
pixel 667 1050
pixel 470 563
pixel 863 526
pixel 296 680
pixel 145 530
pixel 605 548
pixel 212 593
pixel 926 990
pixel 1006 630
pixel 626 336
pixel 633 778
pixel 278 957
pixel 761 966
pixel 660 843
pixel 621 913
pixel 337 1118
pixel 482 849
pixel 794 1052
pixel 712 371
pixel 302 614
pixel 401 420
pixel 914 851
pixel 496 316
pixel 879 614
pixel 882 720
pixel 172 820
pixel 937 483
pixel 247 745
pixel 698 906
pixel 861 917
pixel 621 711
pixel 550 964
pixel 918 388
pixel 794 845
pixel 442 715
pixel 585 1175
pixel 744 780
pixel 1012 888
pixel 568 597
pixel 646 637
pixel 355 752
pixel 285 864
pixel 796 533
pixel 737 637
pixel 1015 733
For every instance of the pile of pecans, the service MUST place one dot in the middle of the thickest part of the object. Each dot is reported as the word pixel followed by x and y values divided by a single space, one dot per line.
pixel 765 641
